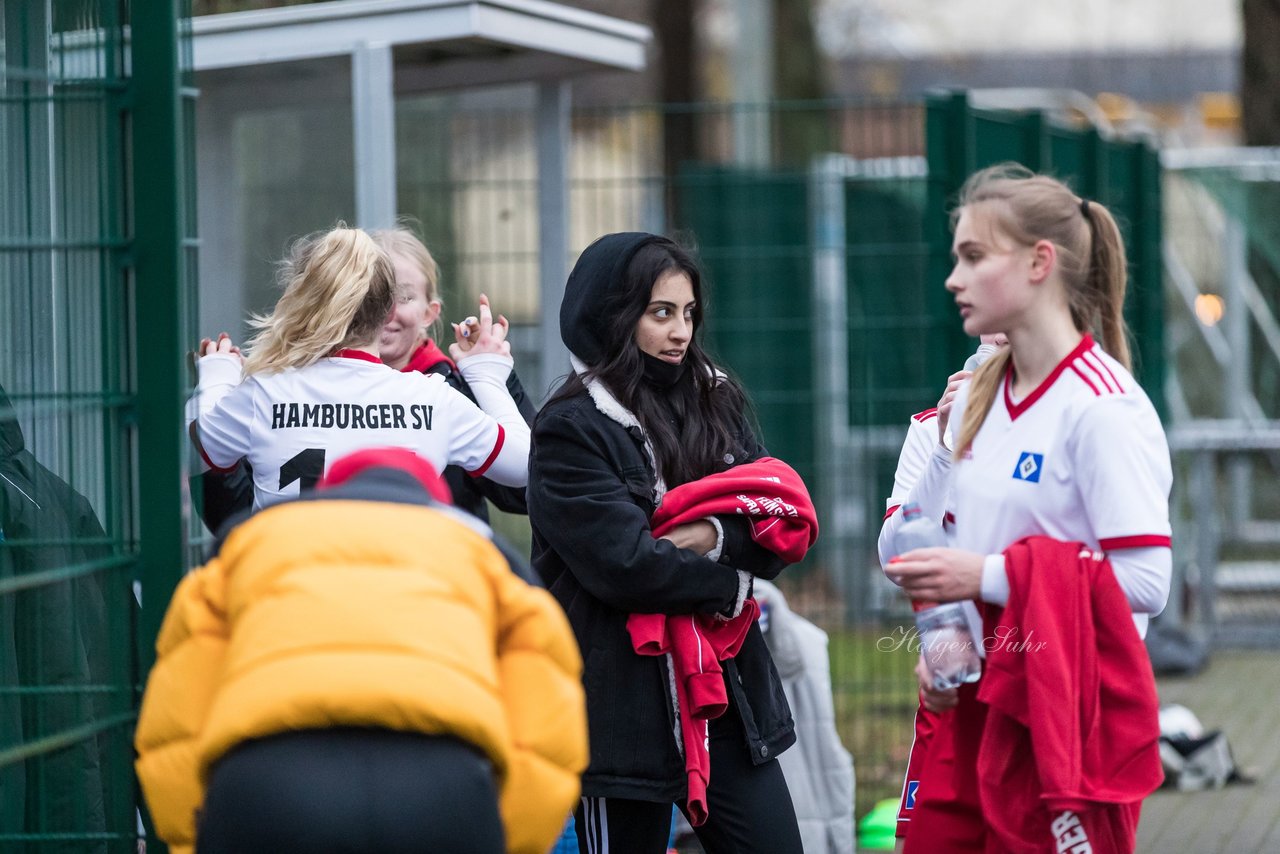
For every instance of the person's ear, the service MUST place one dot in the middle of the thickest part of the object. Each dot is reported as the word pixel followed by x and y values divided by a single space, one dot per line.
pixel 433 311
pixel 1044 258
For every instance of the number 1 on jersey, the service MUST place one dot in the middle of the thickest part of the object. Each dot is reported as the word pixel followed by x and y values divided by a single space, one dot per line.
pixel 306 466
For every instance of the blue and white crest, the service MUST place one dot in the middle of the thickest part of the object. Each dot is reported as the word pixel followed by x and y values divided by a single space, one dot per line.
pixel 1029 467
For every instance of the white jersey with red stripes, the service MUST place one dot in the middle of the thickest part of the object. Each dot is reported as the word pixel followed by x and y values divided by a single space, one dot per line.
pixel 292 425
pixel 922 438
pixel 1082 457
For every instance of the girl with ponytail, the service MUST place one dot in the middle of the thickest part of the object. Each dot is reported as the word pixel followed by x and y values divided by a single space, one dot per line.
pixel 1057 447
pixel 1028 208
pixel 315 387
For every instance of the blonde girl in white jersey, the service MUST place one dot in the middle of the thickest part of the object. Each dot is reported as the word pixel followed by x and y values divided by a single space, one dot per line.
pixel 1047 267
pixel 314 387
pixel 1055 438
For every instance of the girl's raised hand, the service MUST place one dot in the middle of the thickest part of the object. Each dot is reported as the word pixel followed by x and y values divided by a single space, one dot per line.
pixel 480 334
pixel 948 400
pixel 220 345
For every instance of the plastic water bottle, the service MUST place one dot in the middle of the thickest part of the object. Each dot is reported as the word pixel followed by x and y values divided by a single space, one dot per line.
pixel 945 631
pixel 917 532
pixel 984 352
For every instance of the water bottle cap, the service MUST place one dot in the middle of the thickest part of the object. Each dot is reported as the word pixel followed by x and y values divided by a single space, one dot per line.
pixel 984 352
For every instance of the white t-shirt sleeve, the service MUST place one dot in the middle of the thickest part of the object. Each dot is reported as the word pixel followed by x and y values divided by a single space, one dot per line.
pixel 922 438
pixel 1144 574
pixel 486 374
pixel 1122 464
pixel 923 477
pixel 1120 459
pixel 482 446
pixel 223 412
pixel 216 376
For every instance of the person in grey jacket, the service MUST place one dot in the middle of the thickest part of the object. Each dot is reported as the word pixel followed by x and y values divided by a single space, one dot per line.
pixel 645 410
pixel 819 770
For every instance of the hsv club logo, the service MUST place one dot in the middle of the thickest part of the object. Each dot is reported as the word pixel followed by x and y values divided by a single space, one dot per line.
pixel 1029 467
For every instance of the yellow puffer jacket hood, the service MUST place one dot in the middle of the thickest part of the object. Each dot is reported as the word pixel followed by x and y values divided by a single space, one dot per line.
pixel 363 613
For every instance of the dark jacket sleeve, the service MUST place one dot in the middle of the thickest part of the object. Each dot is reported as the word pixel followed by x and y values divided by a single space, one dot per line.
pixel 523 401
pixel 223 494
pixel 740 550
pixel 587 512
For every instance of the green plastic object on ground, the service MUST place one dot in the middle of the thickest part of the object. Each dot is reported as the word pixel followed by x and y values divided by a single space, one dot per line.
pixel 876 829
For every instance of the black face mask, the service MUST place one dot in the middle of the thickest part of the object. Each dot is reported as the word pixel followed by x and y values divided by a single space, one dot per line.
pixel 661 373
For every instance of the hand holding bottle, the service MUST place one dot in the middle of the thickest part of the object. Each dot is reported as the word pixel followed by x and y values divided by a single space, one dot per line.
pixel 947 646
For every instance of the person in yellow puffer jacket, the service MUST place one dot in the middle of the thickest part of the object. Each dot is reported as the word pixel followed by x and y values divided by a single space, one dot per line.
pixel 360 669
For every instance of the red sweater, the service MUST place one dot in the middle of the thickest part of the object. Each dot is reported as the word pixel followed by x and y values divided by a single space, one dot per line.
pixel 427 356
pixel 782 519
pixel 1072 721
pixel 767 491
pixel 697 644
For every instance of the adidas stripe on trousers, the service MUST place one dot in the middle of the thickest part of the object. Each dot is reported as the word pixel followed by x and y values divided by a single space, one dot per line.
pixel 749 809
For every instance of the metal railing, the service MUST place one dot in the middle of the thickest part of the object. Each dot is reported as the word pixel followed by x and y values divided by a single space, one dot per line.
pixel 1224 343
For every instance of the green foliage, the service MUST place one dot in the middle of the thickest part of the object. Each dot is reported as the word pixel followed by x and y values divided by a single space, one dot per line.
pixel 874 686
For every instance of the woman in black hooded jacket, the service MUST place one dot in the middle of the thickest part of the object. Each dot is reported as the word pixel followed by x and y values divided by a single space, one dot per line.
pixel 644 411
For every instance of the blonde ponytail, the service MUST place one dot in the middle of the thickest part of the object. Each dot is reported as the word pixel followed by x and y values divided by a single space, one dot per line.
pixel 1108 280
pixel 339 288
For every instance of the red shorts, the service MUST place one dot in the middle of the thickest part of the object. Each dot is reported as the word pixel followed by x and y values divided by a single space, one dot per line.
pixel 926 722
pixel 950 816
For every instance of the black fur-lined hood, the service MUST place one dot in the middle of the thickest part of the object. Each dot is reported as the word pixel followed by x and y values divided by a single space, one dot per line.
pixel 597 275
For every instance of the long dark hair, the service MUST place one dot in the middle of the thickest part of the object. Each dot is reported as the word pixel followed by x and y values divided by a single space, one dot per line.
pixel 694 425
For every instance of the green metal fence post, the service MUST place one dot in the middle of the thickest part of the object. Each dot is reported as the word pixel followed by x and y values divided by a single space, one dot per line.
pixel 949 150
pixel 1147 277
pixel 157 313
pixel 158 348
pixel 1092 164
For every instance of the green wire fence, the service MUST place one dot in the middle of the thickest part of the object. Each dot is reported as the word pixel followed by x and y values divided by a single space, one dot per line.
pixel 95 243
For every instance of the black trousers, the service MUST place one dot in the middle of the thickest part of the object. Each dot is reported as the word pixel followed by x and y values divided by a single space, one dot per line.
pixel 341 791
pixel 749 808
